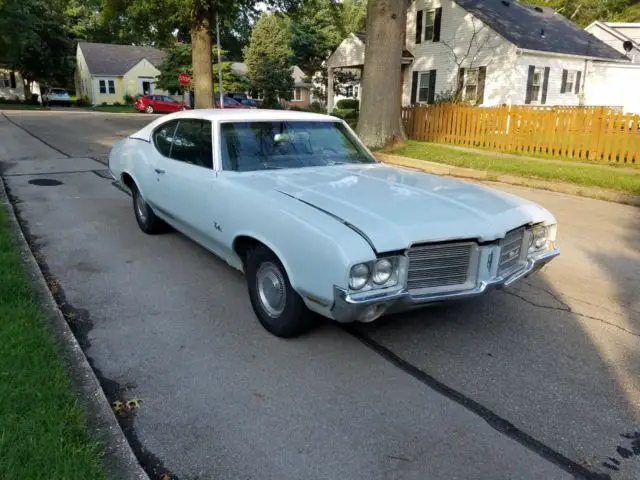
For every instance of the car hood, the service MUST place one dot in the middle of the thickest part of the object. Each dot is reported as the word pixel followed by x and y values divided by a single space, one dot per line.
pixel 395 207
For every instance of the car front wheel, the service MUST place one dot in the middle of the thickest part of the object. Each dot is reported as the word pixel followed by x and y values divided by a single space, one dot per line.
pixel 277 305
pixel 148 222
pixel 149 109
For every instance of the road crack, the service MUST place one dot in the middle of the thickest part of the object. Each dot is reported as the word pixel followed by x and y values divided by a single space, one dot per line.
pixel 567 309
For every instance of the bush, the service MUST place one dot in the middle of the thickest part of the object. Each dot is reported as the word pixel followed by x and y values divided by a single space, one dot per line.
pixel 317 107
pixel 348 104
pixel 83 101
pixel 117 104
pixel 129 99
pixel 11 101
pixel 34 100
pixel 104 104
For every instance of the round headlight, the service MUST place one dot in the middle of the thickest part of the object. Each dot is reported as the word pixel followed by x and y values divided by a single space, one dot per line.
pixel 538 238
pixel 359 276
pixel 382 271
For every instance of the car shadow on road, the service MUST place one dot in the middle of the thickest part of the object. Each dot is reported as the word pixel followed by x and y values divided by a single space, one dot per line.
pixel 524 355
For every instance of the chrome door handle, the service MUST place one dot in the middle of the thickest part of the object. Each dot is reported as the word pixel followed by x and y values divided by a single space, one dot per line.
pixel 160 171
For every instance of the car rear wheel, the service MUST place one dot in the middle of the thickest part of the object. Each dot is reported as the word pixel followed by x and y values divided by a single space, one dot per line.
pixel 149 109
pixel 279 308
pixel 148 222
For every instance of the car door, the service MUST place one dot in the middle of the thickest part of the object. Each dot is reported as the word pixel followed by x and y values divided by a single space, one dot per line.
pixel 170 104
pixel 186 181
pixel 158 103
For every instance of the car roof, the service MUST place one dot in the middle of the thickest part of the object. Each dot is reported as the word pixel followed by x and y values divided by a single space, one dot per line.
pixel 238 115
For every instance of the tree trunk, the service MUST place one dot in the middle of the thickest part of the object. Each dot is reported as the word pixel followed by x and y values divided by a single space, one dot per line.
pixel 201 58
pixel 380 120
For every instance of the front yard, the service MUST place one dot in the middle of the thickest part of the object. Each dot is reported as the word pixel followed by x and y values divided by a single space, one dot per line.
pixel 42 429
pixel 604 176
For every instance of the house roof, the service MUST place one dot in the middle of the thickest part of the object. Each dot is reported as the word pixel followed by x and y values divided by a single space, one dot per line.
pixel 240 68
pixel 363 38
pixel 111 59
pixel 612 28
pixel 538 28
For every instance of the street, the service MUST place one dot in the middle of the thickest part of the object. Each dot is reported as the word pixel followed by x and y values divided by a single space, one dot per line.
pixel 538 381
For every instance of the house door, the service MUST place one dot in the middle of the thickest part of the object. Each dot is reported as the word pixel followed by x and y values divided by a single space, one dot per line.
pixel 147 87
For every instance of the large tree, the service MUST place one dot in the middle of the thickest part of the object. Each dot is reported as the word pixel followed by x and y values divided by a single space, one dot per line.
pixel 160 18
pixel 267 58
pixel 34 41
pixel 380 121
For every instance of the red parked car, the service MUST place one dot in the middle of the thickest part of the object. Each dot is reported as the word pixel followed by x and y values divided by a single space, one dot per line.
pixel 159 103
pixel 230 102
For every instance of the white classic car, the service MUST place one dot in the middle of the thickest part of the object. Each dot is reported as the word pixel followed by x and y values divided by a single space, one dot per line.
pixel 317 224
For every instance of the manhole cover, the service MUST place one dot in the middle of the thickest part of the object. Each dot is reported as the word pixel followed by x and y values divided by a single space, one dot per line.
pixel 45 182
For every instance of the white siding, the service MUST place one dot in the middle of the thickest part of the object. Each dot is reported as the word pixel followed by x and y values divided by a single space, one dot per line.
pixel 457 32
pixel 613 41
pixel 556 65
pixel 633 32
pixel 350 53
pixel 611 84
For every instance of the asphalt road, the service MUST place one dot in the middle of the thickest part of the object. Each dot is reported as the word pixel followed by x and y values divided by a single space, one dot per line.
pixel 526 383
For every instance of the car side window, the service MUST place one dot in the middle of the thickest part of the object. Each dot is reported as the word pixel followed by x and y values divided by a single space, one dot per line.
pixel 192 143
pixel 168 99
pixel 163 138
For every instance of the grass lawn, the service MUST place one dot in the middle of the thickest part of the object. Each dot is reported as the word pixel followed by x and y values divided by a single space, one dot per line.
pixel 114 109
pixel 42 431
pixel 21 106
pixel 569 171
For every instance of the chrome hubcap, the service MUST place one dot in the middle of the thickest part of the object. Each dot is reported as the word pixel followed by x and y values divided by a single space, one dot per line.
pixel 141 208
pixel 271 289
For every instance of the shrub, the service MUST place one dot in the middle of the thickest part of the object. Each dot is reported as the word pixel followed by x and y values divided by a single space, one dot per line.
pixel 317 107
pixel 129 99
pixel 348 104
pixel 117 104
pixel 104 104
pixel 83 101
pixel 297 109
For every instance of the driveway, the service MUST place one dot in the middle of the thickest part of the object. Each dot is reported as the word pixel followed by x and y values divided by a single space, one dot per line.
pixel 539 381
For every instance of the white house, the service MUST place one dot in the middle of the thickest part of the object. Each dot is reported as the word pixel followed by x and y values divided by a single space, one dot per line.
pixel 624 37
pixel 491 52
pixel 12 85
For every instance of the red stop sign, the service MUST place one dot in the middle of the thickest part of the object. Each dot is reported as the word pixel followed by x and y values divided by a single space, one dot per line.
pixel 184 79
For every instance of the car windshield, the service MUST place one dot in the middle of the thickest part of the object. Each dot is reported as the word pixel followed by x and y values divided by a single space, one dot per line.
pixel 250 146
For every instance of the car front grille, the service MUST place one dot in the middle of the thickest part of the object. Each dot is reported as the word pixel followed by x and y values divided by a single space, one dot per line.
pixel 511 251
pixel 437 266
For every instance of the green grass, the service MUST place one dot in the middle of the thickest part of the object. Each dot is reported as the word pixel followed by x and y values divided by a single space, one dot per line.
pixel 42 430
pixel 21 106
pixel 114 109
pixel 569 171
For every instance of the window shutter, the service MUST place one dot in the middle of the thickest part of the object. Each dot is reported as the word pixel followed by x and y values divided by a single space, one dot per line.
pixel 419 27
pixel 578 80
pixel 460 84
pixel 414 88
pixel 563 86
pixel 437 24
pixel 545 85
pixel 13 79
pixel 432 87
pixel 529 94
pixel 482 76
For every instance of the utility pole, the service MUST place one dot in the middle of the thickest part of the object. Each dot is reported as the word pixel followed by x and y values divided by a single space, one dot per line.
pixel 221 93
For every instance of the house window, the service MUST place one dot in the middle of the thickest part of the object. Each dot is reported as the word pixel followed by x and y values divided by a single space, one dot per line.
pixel 423 87
pixel 5 80
pixel 429 20
pixel 112 87
pixel 470 92
pixel 355 91
pixel 571 81
pixel 107 86
pixel 297 94
pixel 536 85
pixel 103 86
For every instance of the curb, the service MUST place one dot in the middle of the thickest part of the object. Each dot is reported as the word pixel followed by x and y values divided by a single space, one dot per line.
pixel 119 459
pixel 481 175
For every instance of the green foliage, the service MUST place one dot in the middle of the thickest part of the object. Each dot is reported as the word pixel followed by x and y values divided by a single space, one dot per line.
pixel 583 12
pixel 34 40
pixel 129 99
pixel 117 104
pixel 83 101
pixel 348 104
pixel 267 58
pixel 178 60
pixel 317 107
pixel 104 104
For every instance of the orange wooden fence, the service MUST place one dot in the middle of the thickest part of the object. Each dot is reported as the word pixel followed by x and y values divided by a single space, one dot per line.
pixel 586 133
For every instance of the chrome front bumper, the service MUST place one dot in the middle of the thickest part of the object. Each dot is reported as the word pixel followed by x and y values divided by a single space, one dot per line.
pixel 368 306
